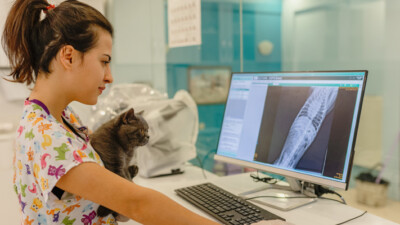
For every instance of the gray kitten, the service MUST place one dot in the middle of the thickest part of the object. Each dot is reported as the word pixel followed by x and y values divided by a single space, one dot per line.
pixel 115 142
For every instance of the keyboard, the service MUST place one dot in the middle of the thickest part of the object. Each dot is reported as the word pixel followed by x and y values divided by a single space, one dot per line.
pixel 224 206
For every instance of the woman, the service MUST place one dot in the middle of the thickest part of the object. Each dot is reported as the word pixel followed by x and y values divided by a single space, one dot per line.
pixel 65 52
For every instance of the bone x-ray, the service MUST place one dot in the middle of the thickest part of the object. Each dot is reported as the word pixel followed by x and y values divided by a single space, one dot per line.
pixel 300 124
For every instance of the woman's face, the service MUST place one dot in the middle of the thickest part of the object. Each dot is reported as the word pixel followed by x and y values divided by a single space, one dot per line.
pixel 93 71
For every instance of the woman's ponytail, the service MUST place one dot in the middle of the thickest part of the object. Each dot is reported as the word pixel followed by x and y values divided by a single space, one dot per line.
pixel 24 16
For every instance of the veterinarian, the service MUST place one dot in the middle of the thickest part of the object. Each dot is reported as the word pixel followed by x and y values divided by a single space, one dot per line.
pixel 65 52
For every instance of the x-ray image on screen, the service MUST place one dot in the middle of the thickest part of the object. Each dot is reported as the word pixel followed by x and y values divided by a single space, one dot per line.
pixel 303 128
pixel 306 125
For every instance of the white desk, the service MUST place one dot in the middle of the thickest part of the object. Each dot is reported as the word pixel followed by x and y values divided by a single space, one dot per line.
pixel 322 212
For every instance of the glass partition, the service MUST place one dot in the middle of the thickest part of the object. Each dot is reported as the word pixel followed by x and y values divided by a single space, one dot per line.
pixel 271 35
pixel 353 34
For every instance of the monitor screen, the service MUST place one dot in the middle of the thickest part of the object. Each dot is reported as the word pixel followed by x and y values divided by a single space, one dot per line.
pixel 297 124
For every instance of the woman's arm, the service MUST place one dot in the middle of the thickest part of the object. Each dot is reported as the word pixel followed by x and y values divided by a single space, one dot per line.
pixel 146 206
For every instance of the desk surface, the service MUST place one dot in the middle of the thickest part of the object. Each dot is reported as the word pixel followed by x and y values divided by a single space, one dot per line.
pixel 389 211
pixel 321 212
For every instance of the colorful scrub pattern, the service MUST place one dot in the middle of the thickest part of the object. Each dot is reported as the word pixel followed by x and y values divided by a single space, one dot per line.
pixel 45 151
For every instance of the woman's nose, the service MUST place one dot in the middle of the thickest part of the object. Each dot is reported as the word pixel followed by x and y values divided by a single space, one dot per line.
pixel 108 78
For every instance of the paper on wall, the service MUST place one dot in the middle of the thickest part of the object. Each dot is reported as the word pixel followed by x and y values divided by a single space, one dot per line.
pixel 184 23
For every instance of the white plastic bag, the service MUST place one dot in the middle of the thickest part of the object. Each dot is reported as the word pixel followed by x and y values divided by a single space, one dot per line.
pixel 173 125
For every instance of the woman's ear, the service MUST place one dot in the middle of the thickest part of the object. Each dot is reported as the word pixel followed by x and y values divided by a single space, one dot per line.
pixel 67 56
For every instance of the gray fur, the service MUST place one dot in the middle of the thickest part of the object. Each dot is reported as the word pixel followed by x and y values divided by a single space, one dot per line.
pixel 115 142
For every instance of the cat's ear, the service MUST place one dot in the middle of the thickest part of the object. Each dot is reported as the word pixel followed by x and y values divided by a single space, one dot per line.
pixel 128 116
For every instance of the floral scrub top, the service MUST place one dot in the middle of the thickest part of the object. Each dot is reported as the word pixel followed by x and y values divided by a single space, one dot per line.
pixel 45 151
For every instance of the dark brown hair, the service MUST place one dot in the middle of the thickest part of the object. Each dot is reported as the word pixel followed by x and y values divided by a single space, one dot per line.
pixel 30 42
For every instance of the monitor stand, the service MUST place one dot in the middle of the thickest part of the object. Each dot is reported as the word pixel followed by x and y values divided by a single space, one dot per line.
pixel 283 193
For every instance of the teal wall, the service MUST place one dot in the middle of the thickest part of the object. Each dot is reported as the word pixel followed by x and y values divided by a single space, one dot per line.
pixel 221 47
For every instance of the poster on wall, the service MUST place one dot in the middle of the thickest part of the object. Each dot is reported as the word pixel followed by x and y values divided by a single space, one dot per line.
pixel 184 23
pixel 209 84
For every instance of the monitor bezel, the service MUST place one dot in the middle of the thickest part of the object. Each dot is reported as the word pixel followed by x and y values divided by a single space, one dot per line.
pixel 297 175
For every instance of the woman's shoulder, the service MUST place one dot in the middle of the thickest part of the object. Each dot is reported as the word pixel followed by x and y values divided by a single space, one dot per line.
pixel 37 125
pixel 36 117
pixel 39 132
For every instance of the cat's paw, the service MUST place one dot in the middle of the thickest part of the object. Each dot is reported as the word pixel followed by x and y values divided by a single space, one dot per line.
pixel 103 211
pixel 133 170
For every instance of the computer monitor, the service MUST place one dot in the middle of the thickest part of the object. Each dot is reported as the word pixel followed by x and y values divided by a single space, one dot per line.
pixel 295 124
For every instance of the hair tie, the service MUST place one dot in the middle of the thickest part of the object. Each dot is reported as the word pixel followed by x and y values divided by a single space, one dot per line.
pixel 44 11
pixel 50 7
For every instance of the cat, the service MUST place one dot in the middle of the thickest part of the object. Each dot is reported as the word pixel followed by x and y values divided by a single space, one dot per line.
pixel 115 142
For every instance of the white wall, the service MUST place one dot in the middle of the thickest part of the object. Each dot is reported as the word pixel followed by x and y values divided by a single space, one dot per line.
pixel 11 103
pixel 4 7
pixel 345 34
pixel 352 34
pixel 391 94
pixel 139 53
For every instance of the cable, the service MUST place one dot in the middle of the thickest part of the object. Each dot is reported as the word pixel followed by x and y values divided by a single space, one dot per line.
pixel 362 214
pixel 267 196
pixel 201 166
pixel 320 190
pixel 332 199
pixel 268 180
pixel 344 201
pixel 271 196
pixel 208 154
